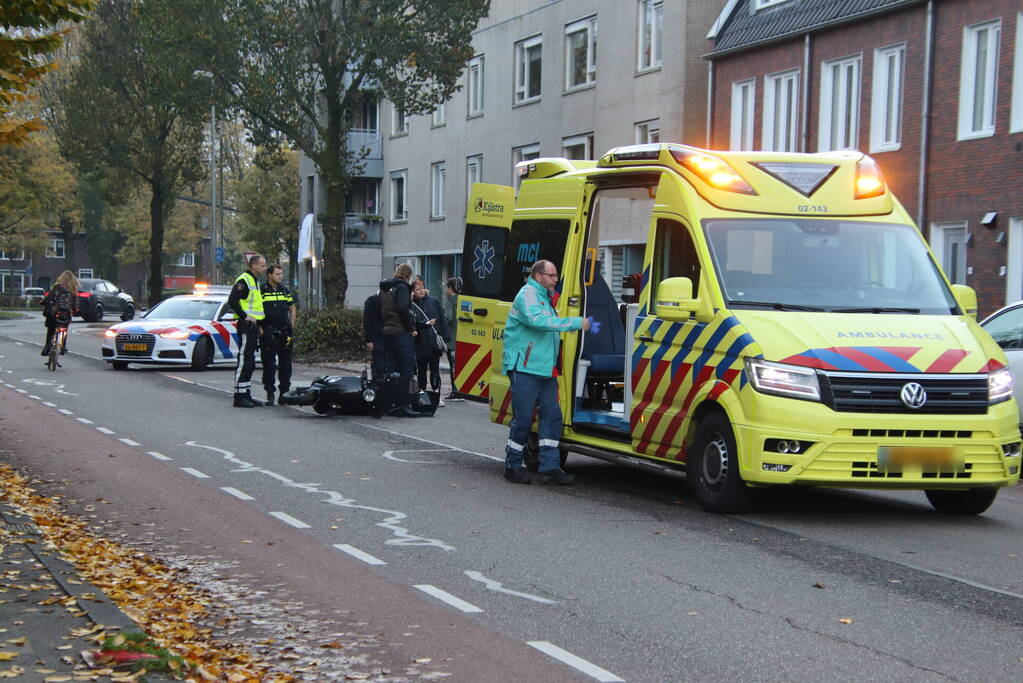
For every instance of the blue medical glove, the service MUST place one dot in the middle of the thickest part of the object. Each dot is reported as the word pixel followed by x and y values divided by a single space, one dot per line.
pixel 594 325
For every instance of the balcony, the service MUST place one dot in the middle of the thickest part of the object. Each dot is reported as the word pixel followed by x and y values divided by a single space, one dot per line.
pixel 372 141
pixel 362 232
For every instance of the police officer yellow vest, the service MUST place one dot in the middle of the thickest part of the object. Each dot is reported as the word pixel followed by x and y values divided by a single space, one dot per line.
pixel 253 303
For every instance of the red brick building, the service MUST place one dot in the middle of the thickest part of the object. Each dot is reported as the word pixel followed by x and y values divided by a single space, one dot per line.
pixel 932 90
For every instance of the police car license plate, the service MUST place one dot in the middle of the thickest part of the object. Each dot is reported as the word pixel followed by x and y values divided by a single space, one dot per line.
pixel 897 456
pixel 134 347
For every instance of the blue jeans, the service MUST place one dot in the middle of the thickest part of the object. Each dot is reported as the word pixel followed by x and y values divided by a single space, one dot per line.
pixel 531 392
pixel 401 358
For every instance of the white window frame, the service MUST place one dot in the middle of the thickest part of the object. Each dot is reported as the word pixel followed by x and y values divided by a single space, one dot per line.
pixel 588 27
pixel 185 260
pixel 982 91
pixel 85 273
pixel 439 116
pixel 522 80
pixel 772 84
pixel 651 29
pixel 475 86
pixel 1016 117
pixel 53 245
pixel 8 255
pixel 1014 254
pixel 938 231
pixel 399 121
pixel 648 132
pixel 586 140
pixel 744 101
pixel 402 196
pixel 840 104
pixel 523 153
pixel 473 173
pixel 438 179
pixel 886 100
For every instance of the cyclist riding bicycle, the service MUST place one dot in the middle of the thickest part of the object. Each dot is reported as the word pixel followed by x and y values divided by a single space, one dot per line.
pixel 59 304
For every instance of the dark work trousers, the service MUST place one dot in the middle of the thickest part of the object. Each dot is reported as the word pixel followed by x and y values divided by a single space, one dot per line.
pixel 276 359
pixel 451 364
pixel 531 392
pixel 378 362
pixel 431 363
pixel 248 338
pixel 401 358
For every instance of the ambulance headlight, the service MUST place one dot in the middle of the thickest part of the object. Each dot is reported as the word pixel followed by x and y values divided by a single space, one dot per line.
pixel 999 386
pixel 783 380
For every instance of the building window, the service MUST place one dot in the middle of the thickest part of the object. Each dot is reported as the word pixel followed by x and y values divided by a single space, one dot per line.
pixel 648 132
pixel 781 94
pixel 363 114
pixel 440 116
pixel 520 154
pixel 9 254
pixel 474 86
pixel 1016 121
pixel 840 104
pixel 85 272
pixel 528 66
pixel 399 185
pixel 651 15
pixel 186 260
pixel 886 105
pixel 473 172
pixel 578 147
pixel 948 242
pixel 399 121
pixel 580 53
pixel 743 94
pixel 438 172
pixel 55 248
pixel 978 79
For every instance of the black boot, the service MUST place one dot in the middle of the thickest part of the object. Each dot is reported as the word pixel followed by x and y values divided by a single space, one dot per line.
pixel 270 397
pixel 280 399
pixel 246 401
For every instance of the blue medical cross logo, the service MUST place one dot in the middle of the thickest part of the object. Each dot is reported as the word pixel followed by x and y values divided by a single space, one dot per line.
pixel 484 263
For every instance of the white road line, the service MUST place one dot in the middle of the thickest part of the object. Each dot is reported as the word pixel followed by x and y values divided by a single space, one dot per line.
pixel 130 442
pixel 158 456
pixel 65 411
pixel 180 379
pixel 435 443
pixel 591 670
pixel 288 519
pixel 104 430
pixel 21 391
pixel 498 587
pixel 444 596
pixel 38 398
pixel 9 386
pixel 50 405
pixel 358 554
pixel 84 420
pixel 240 495
pixel 195 473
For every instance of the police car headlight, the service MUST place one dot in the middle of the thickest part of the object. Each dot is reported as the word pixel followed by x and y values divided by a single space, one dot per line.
pixel 783 380
pixel 999 386
pixel 110 333
pixel 369 395
pixel 176 334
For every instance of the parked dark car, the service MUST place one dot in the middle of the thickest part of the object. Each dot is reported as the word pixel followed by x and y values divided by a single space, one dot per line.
pixel 100 297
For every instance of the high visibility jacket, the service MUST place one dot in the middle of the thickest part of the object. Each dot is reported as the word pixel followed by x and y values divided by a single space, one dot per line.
pixel 253 303
pixel 277 303
pixel 532 334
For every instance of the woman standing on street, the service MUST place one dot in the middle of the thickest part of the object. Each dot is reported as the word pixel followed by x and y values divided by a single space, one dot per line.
pixel 431 325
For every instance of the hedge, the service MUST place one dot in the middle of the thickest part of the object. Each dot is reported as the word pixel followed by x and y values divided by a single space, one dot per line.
pixel 330 334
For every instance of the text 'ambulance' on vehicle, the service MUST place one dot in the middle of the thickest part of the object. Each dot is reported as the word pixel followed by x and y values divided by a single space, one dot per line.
pixel 788 324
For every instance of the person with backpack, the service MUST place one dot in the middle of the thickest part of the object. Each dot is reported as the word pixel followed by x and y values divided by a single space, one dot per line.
pixel 59 305
pixel 398 331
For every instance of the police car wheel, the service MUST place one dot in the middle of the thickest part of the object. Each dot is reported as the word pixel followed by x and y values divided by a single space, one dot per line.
pixel 713 468
pixel 202 354
pixel 970 502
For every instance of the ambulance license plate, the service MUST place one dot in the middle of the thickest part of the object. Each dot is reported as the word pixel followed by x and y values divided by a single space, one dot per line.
pixel 897 456
pixel 134 347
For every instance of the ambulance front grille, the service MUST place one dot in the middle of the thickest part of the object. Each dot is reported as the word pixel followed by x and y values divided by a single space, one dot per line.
pixel 861 392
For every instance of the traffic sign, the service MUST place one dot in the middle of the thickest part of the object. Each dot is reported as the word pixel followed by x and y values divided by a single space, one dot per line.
pixel 219 255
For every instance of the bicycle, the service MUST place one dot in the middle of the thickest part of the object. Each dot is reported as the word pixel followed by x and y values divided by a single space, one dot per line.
pixel 56 346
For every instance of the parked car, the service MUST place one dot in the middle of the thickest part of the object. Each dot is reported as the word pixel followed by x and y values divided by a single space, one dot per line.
pixel 1006 327
pixel 32 296
pixel 99 297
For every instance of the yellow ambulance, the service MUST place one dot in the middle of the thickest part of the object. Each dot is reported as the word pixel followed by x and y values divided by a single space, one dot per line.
pixel 786 323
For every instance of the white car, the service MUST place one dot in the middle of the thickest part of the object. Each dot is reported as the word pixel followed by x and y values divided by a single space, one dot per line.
pixel 196 329
pixel 1006 327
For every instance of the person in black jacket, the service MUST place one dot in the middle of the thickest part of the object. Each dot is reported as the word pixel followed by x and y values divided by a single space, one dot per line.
pixel 277 339
pixel 398 331
pixel 373 335
pixel 431 324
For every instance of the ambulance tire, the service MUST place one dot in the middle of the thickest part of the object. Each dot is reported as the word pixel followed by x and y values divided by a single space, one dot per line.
pixel 969 502
pixel 712 468
pixel 531 454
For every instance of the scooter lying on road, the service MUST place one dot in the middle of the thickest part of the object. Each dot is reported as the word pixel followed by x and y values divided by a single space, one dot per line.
pixel 349 395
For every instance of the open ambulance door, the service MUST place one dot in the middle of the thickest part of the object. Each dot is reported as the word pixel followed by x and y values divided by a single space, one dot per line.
pixel 488 220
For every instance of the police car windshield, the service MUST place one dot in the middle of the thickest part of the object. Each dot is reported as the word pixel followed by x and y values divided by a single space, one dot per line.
pixel 185 307
pixel 830 264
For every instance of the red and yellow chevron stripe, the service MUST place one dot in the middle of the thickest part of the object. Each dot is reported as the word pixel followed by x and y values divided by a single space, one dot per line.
pixel 472 362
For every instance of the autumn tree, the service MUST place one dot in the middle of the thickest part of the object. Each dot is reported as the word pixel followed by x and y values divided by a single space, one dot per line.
pixel 134 108
pixel 38 190
pixel 296 68
pixel 268 206
pixel 131 220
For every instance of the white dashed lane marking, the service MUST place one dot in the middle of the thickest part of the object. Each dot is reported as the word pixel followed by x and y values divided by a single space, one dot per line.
pixel 240 495
pixel 38 398
pixel 65 411
pixel 288 519
pixel 195 473
pixel 84 420
pixel 49 405
pixel 578 663
pixel 104 430
pixel 358 554
pixel 450 599
pixel 129 442
pixel 21 391
pixel 158 456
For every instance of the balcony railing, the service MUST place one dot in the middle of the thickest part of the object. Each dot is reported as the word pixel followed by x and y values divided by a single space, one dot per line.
pixel 365 137
pixel 362 229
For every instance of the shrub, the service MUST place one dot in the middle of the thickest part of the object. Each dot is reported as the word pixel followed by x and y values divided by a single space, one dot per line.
pixel 330 333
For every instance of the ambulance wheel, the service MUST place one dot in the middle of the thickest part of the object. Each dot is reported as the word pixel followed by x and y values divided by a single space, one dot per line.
pixel 969 502
pixel 531 454
pixel 202 354
pixel 713 468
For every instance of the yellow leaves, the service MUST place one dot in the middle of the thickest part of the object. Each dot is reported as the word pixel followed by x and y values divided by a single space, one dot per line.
pixel 13 672
pixel 7 656
pixel 845 620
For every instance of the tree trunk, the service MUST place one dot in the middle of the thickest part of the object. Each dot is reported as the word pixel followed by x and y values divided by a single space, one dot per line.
pixel 335 274
pixel 156 216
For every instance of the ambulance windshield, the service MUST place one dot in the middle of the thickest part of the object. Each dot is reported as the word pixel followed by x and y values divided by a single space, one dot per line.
pixel 826 265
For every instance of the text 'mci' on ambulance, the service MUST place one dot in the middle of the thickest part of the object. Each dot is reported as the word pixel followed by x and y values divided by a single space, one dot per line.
pixel 778 320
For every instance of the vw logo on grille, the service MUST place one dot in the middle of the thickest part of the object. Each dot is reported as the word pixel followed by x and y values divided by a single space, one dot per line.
pixel 913 395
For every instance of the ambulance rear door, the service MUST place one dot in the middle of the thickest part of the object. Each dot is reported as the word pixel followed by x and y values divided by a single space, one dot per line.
pixel 488 220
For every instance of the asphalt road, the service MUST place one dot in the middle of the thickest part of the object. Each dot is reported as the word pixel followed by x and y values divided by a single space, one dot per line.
pixel 408 521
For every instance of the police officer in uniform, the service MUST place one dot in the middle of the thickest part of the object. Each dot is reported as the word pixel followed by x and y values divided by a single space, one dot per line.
pixel 246 301
pixel 277 339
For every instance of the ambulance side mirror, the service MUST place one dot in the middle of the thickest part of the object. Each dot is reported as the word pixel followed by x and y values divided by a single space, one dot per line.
pixel 675 300
pixel 967 299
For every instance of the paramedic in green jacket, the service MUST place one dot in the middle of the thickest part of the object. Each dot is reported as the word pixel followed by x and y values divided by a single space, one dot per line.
pixel 532 341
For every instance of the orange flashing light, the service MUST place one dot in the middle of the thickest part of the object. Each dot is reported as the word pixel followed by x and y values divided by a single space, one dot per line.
pixel 712 170
pixel 869 179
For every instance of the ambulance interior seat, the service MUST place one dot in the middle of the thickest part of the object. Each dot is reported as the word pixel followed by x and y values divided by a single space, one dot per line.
pixel 605 351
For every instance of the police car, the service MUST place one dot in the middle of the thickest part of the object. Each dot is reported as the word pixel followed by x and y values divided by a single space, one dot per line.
pixel 197 329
